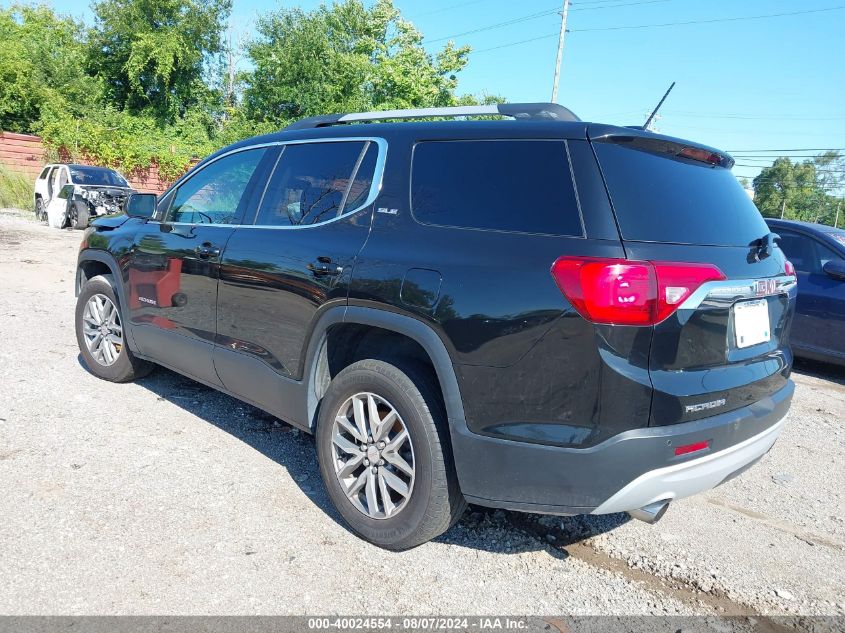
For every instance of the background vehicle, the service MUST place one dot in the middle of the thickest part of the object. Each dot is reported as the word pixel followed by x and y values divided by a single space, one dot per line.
pixel 541 314
pixel 68 195
pixel 818 254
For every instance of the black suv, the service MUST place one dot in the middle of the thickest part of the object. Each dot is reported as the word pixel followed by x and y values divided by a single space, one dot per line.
pixel 532 313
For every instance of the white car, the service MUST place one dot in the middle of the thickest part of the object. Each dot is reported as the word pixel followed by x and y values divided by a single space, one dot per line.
pixel 70 195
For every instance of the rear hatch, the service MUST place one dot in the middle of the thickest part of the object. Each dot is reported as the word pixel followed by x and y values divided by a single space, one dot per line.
pixel 722 342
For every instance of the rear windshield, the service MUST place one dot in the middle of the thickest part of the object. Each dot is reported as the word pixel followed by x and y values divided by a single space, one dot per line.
pixel 96 176
pixel 658 198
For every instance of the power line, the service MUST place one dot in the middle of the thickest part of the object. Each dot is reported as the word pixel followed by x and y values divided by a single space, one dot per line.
pixel 751 117
pixel 497 25
pixel 450 8
pixel 534 16
pixel 583 2
pixel 803 149
pixel 756 158
pixel 822 171
pixel 578 7
pixel 644 26
pixel 532 39
pixel 737 19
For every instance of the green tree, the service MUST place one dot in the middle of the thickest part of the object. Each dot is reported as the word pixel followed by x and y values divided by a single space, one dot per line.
pixel 809 190
pixel 345 57
pixel 152 55
pixel 830 175
pixel 41 67
pixel 788 189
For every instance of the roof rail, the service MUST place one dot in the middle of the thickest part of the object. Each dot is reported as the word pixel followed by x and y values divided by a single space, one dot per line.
pixel 527 111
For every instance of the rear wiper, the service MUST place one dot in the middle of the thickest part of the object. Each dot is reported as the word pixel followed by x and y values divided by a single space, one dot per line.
pixel 765 246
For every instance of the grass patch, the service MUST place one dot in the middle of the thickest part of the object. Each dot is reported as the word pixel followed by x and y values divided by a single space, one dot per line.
pixel 15 189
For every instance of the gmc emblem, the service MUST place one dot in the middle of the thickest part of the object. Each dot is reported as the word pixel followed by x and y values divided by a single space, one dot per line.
pixel 766 287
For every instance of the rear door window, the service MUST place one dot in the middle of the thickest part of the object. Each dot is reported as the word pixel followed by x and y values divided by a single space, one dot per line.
pixel 317 182
pixel 500 185
pixel 798 249
pixel 807 254
pixel 659 197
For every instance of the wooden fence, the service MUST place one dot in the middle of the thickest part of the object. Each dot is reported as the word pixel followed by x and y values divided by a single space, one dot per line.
pixel 25 153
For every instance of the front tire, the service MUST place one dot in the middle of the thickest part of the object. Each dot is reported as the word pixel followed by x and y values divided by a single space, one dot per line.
pixel 384 454
pixel 40 210
pixel 100 333
pixel 79 216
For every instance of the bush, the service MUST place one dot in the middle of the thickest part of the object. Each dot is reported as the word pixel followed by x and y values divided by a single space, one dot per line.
pixel 15 189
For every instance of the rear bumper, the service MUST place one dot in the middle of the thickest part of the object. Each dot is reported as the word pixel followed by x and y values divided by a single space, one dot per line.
pixel 689 478
pixel 625 472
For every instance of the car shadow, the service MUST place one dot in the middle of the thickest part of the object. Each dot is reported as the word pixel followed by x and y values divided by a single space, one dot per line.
pixel 819 369
pixel 480 528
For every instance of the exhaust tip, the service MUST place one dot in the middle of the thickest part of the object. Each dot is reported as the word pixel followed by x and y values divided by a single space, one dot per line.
pixel 651 513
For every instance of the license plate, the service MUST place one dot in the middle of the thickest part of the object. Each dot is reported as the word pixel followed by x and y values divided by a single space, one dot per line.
pixel 751 322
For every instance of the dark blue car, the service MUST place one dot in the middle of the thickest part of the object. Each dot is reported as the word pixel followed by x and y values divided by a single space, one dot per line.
pixel 818 254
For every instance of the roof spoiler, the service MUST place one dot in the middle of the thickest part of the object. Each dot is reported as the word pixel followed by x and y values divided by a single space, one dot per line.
pixel 521 111
pixel 637 138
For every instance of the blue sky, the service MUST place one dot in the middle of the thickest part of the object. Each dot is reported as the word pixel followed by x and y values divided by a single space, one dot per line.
pixel 769 83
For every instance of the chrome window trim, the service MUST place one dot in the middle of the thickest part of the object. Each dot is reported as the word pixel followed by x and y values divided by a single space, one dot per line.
pixel 728 291
pixel 375 186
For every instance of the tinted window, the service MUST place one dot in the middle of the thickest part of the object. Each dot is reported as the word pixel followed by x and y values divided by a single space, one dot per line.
pixel 662 199
pixel 798 249
pixel 805 253
pixel 66 192
pixel 825 254
pixel 311 181
pixel 521 186
pixel 214 194
pixel 43 173
pixel 360 189
pixel 84 175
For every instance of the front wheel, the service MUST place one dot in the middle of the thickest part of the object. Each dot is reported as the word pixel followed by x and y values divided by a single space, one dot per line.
pixel 100 334
pixel 79 216
pixel 384 453
pixel 40 210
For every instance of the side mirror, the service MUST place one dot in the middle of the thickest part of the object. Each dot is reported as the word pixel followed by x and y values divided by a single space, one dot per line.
pixel 141 205
pixel 835 268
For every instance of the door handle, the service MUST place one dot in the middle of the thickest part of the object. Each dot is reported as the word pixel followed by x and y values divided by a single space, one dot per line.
pixel 325 267
pixel 207 250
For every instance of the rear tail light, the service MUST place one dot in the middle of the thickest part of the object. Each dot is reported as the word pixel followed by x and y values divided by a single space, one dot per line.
pixel 788 268
pixel 624 292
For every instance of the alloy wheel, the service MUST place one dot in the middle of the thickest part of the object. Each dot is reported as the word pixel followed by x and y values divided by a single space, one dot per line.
pixel 102 329
pixel 373 455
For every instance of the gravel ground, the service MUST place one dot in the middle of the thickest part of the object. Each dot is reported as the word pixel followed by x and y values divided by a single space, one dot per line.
pixel 165 497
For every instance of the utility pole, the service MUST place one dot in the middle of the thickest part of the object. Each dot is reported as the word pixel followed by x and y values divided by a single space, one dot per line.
pixel 836 221
pixel 563 15
pixel 783 208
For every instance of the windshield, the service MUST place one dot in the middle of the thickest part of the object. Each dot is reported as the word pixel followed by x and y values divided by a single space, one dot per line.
pixel 83 175
pixel 663 198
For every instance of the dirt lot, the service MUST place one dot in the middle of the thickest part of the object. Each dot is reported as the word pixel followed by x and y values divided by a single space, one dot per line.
pixel 165 497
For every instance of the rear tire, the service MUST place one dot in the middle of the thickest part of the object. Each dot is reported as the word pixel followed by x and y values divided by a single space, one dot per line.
pixel 421 465
pixel 101 336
